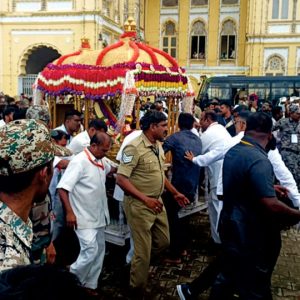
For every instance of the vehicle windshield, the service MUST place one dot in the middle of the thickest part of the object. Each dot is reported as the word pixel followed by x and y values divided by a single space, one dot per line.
pixel 237 88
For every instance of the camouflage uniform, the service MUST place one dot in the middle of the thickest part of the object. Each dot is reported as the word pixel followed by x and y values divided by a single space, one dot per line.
pixel 15 239
pixel 39 112
pixel 40 213
pixel 290 151
pixel 24 145
pixel 40 217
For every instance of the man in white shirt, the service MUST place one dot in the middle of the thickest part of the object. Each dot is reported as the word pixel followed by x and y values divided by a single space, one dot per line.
pixel 281 172
pixel 71 123
pixel 214 136
pixel 206 278
pixel 83 139
pixel 83 193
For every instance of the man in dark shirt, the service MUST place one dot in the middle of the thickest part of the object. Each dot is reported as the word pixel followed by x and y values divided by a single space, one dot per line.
pixel 226 118
pixel 185 178
pixel 248 228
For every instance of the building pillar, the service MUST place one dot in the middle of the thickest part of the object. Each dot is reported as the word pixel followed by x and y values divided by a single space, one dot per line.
pixel 291 64
pixel 213 48
pixel 152 24
pixel 242 33
pixel 183 33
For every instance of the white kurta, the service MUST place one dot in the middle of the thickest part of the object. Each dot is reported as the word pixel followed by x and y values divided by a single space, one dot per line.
pixel 79 142
pixel 213 138
pixel 85 183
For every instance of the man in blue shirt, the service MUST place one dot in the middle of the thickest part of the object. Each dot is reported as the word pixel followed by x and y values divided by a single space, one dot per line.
pixel 185 178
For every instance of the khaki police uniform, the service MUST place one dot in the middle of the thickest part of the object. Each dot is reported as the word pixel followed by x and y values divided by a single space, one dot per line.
pixel 143 164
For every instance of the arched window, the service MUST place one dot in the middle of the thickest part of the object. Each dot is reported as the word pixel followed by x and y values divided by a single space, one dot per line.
pixel 280 9
pixel 198 40
pixel 230 1
pixel 228 40
pixel 275 65
pixel 169 39
pixel 169 3
pixel 199 2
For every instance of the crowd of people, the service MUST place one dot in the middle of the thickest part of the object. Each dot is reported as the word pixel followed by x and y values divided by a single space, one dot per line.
pixel 53 183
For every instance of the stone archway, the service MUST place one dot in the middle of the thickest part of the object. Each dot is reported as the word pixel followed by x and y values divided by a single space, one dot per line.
pixel 35 58
pixel 33 61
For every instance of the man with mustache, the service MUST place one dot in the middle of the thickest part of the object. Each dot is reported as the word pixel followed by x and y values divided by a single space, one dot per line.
pixel 141 176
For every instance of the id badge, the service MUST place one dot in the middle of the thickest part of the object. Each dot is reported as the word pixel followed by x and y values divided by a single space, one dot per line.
pixel 294 138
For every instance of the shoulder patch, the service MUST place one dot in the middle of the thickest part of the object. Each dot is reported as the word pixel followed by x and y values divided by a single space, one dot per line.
pixel 126 159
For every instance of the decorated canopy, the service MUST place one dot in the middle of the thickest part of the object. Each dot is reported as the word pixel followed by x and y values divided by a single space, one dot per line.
pixel 127 66
pixel 126 69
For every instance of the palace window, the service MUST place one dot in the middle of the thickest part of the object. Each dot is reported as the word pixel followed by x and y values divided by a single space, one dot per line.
pixel 198 40
pixel 275 66
pixel 26 5
pixel 169 3
pixel 280 9
pixel 42 5
pixel 228 40
pixel 199 2
pixel 230 1
pixel 169 39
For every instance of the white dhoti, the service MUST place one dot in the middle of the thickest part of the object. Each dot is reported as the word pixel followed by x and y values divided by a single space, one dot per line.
pixel 89 262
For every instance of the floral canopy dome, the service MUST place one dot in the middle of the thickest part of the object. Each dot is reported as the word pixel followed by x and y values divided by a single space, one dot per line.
pixel 127 68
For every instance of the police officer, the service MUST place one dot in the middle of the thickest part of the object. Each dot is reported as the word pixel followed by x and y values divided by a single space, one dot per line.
pixel 289 134
pixel 141 176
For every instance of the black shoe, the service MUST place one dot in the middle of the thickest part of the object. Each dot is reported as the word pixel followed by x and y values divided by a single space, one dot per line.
pixel 184 292
pixel 136 293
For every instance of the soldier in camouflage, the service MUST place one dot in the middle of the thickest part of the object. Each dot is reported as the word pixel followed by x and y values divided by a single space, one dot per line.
pixel 26 155
pixel 39 112
pixel 289 134
pixel 42 249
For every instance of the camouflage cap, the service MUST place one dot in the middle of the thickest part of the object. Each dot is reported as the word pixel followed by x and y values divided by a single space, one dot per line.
pixel 25 145
pixel 294 108
pixel 38 112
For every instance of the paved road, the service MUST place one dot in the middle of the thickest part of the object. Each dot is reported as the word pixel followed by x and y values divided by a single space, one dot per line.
pixel 163 277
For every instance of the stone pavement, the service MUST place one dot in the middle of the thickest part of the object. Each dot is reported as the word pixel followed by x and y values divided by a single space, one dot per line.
pixel 163 277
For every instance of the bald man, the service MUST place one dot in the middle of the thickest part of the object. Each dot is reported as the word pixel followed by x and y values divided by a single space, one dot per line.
pixel 83 193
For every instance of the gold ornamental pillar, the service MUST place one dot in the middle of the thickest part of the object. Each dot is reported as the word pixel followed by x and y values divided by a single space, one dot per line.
pixel 53 100
pixel 170 105
pixel 137 112
pixel 86 113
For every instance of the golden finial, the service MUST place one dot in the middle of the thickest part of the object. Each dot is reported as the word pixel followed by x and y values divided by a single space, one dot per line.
pixel 85 43
pixel 129 25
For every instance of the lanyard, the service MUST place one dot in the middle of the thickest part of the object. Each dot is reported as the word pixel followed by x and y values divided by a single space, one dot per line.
pixel 155 150
pixel 92 161
pixel 247 143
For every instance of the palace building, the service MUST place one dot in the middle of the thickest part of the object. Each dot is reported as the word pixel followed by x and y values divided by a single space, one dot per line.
pixel 206 37
pixel 36 32
pixel 227 37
